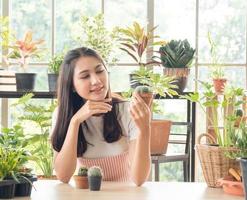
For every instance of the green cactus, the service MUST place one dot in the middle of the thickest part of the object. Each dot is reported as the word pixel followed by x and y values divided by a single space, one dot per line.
pixel 176 54
pixel 239 113
pixel 143 89
pixel 95 171
pixel 82 171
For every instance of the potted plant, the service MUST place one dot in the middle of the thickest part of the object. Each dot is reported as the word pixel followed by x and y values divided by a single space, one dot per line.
pixel 53 69
pixel 240 117
pixel 14 140
pixel 12 181
pixel 215 164
pixel 81 179
pixel 95 35
pixel 176 57
pixel 21 51
pixel 8 168
pixel 161 85
pixel 135 41
pixel 24 185
pixel 240 138
pixel 217 73
pixel 146 93
pixel 39 144
pixel 95 175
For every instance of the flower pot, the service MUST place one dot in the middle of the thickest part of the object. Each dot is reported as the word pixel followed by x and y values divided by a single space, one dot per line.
pixel 239 120
pixel 219 85
pixel 24 188
pixel 25 81
pixel 52 82
pixel 94 183
pixel 243 164
pixel 81 182
pixel 232 187
pixel 180 77
pixel 147 98
pixel 160 131
pixel 7 189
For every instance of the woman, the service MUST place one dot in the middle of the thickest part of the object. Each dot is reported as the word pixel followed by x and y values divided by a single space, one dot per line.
pixel 91 128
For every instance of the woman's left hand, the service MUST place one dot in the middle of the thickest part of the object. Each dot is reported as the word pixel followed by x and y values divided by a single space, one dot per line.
pixel 140 113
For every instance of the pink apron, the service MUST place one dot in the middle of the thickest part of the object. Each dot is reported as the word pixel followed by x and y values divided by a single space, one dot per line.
pixel 115 168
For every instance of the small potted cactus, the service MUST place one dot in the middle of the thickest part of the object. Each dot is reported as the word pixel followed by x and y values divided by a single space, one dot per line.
pixel 95 177
pixel 81 180
pixel 239 117
pixel 146 93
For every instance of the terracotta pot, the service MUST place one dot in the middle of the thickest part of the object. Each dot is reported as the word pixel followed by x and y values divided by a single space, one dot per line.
pixel 160 131
pixel 238 120
pixel 81 182
pixel 219 85
pixel 232 187
pixel 147 97
pixel 180 77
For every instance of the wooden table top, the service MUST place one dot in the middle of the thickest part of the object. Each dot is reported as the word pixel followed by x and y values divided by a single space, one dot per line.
pixel 55 190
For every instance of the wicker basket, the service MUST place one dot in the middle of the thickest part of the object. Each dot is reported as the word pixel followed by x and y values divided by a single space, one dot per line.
pixel 215 164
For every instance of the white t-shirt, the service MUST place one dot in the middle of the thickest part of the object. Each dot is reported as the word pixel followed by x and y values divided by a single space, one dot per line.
pixel 94 134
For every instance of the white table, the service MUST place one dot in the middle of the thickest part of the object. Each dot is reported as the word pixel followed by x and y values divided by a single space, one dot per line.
pixel 55 190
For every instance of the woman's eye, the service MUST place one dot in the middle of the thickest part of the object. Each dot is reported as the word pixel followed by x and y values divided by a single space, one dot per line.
pixel 100 71
pixel 84 77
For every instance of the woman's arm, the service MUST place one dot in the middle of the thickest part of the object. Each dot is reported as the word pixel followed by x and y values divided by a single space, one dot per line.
pixel 140 158
pixel 65 160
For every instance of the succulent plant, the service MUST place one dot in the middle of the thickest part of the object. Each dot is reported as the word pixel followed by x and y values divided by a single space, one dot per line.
pixel 82 171
pixel 176 54
pixel 95 171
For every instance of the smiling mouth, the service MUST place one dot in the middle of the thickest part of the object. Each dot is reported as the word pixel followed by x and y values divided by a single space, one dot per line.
pixel 97 90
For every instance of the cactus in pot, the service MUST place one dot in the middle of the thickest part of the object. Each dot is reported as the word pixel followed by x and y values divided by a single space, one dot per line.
pixel 81 179
pixel 95 175
pixel 239 117
pixel 146 93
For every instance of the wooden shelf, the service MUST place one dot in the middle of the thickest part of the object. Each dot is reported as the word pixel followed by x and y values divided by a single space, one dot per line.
pixel 37 94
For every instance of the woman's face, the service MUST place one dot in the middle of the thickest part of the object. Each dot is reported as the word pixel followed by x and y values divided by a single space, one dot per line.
pixel 90 78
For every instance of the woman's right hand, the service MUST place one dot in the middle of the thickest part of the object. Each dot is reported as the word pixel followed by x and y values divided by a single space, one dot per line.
pixel 91 108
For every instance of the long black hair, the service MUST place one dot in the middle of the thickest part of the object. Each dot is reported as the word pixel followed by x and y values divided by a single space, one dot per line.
pixel 69 102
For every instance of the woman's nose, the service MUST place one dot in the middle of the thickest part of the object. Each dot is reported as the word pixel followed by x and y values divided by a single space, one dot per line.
pixel 95 79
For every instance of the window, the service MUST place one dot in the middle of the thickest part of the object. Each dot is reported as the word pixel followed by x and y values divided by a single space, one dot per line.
pixel 57 22
pixel 67 18
pixel 32 15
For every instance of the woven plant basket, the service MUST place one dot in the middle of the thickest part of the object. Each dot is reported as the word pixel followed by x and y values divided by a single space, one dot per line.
pixel 215 164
